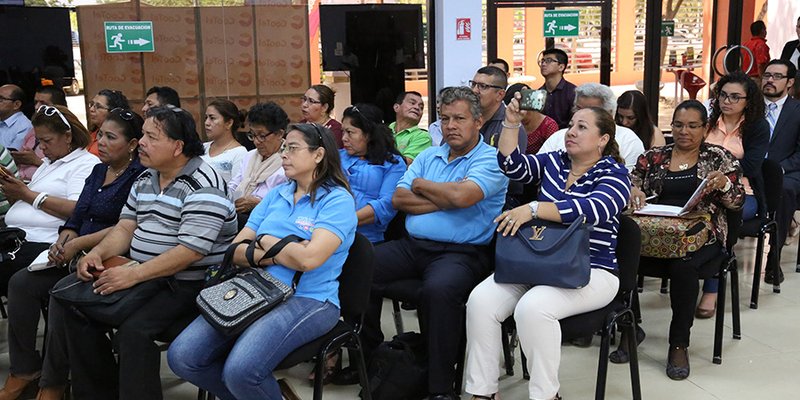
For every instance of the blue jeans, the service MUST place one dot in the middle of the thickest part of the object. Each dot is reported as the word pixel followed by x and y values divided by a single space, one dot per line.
pixel 749 211
pixel 241 367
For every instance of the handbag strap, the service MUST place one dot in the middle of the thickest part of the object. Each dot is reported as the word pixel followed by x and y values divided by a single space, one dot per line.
pixel 227 267
pixel 272 252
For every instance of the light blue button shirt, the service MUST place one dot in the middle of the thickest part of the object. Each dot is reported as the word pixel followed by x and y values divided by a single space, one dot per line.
pixel 333 210
pixel 471 225
pixel 13 130
pixel 373 185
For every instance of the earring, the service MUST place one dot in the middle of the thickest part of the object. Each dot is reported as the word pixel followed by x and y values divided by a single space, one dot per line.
pixel 130 155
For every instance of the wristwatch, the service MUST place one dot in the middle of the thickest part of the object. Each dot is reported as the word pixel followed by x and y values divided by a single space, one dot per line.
pixel 534 205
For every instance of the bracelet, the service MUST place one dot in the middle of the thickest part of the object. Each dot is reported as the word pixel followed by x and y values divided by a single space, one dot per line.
pixel 517 126
pixel 37 202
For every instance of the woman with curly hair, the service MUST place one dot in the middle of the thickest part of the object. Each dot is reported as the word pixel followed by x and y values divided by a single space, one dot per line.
pixel 737 123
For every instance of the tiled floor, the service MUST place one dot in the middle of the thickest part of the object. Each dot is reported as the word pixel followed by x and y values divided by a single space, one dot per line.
pixel 764 364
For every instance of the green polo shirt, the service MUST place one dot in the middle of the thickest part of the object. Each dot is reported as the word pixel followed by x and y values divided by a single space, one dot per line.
pixel 411 141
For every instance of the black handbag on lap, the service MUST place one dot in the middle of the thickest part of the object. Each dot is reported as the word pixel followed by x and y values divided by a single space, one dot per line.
pixel 545 253
pixel 236 297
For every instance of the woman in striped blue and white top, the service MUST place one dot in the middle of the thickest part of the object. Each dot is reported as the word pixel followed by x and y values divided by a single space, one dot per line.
pixel 588 179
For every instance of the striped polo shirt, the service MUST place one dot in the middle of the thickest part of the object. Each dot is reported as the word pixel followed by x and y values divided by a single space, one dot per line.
pixel 194 210
pixel 600 194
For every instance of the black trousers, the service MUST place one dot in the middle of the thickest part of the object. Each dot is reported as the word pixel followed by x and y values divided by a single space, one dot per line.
pixel 789 203
pixel 95 371
pixel 27 293
pixel 448 272
pixel 684 286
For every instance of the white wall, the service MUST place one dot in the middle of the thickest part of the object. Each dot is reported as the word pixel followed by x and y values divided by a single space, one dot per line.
pixel 781 20
pixel 457 60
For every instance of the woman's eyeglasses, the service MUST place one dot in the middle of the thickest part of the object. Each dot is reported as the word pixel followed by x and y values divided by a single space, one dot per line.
pixel 732 98
pixel 97 106
pixel 309 100
pixel 679 125
pixel 292 148
pixel 259 137
pixel 50 111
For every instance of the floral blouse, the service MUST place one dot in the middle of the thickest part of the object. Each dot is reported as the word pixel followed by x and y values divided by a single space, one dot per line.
pixel 652 167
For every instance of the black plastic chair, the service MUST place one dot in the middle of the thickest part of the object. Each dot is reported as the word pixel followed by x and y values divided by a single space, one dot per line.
pixel 355 283
pixel 617 313
pixel 727 265
pixel 759 227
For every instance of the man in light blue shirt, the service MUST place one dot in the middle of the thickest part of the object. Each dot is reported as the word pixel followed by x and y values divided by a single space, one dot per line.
pixel 451 195
pixel 14 125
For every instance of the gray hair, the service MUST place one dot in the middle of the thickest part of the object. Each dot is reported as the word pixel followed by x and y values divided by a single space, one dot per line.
pixel 452 94
pixel 598 91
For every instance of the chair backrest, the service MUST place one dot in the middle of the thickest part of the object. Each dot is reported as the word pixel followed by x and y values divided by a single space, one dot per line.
pixel 773 183
pixel 629 246
pixel 355 281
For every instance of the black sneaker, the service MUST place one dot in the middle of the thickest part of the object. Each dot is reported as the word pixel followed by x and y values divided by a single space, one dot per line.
pixel 768 278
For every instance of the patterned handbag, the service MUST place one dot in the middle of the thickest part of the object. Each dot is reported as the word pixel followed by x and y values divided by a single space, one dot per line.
pixel 674 237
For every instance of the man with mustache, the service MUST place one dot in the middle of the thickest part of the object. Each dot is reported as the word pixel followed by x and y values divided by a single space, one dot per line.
pixel 783 115
pixel 409 137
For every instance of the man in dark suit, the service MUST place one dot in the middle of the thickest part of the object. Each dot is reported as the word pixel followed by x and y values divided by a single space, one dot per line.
pixel 783 115
pixel 791 50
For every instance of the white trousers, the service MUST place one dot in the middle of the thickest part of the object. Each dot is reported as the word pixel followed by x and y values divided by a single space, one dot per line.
pixel 536 310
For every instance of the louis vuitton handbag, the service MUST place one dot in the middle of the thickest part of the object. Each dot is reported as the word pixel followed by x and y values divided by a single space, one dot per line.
pixel 545 253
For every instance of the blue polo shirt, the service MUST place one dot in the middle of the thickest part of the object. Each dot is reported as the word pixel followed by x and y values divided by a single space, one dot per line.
pixel 472 225
pixel 373 185
pixel 333 210
pixel 13 130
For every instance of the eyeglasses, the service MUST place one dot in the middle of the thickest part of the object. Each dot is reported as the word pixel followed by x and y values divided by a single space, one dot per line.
pixel 769 75
pixel 97 106
pixel 260 137
pixel 3 98
pixel 483 86
pixel 309 100
pixel 126 115
pixel 732 98
pixel 50 111
pixel 291 149
pixel 680 125
pixel 545 61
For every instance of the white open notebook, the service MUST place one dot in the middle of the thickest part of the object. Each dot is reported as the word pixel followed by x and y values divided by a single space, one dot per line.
pixel 674 211
pixel 41 262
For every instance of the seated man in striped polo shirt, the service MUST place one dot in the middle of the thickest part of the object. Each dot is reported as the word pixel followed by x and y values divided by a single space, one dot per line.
pixel 177 221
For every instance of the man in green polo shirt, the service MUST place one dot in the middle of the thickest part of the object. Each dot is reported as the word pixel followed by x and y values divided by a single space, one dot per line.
pixel 409 137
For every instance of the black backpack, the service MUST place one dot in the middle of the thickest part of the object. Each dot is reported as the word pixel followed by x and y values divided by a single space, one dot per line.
pixel 398 370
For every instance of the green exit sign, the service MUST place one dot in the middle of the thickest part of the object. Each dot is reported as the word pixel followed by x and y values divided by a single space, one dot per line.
pixel 667 28
pixel 129 36
pixel 559 23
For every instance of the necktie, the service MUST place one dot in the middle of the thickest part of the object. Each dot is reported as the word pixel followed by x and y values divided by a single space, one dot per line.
pixel 772 117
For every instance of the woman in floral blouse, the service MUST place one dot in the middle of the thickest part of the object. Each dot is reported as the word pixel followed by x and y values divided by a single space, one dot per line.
pixel 669 175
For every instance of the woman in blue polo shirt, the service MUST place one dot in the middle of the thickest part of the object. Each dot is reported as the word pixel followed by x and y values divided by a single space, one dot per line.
pixel 316 205
pixel 372 166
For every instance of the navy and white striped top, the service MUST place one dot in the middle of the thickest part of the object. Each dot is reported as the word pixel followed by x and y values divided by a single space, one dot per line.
pixel 600 194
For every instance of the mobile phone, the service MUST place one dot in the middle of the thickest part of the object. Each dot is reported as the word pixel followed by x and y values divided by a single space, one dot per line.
pixel 11 149
pixel 532 100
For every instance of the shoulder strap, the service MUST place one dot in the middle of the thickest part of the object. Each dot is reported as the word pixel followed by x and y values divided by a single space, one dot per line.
pixel 272 252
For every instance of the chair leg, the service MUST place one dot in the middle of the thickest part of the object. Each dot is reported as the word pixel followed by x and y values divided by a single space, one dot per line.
pixel 3 313
pixel 602 367
pixel 525 374
pixel 633 361
pixel 664 285
pixel 757 271
pixel 640 283
pixel 508 356
pixel 319 373
pixel 797 262
pixel 398 317
pixel 737 328
pixel 717 358
pixel 361 364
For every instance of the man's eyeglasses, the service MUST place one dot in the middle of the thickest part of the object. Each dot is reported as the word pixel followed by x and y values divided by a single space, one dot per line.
pixel 483 86
pixel 126 115
pixel 3 98
pixel 309 100
pixel 50 111
pixel 97 106
pixel 546 61
pixel 259 137
pixel 732 98
pixel 777 76
pixel 679 125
